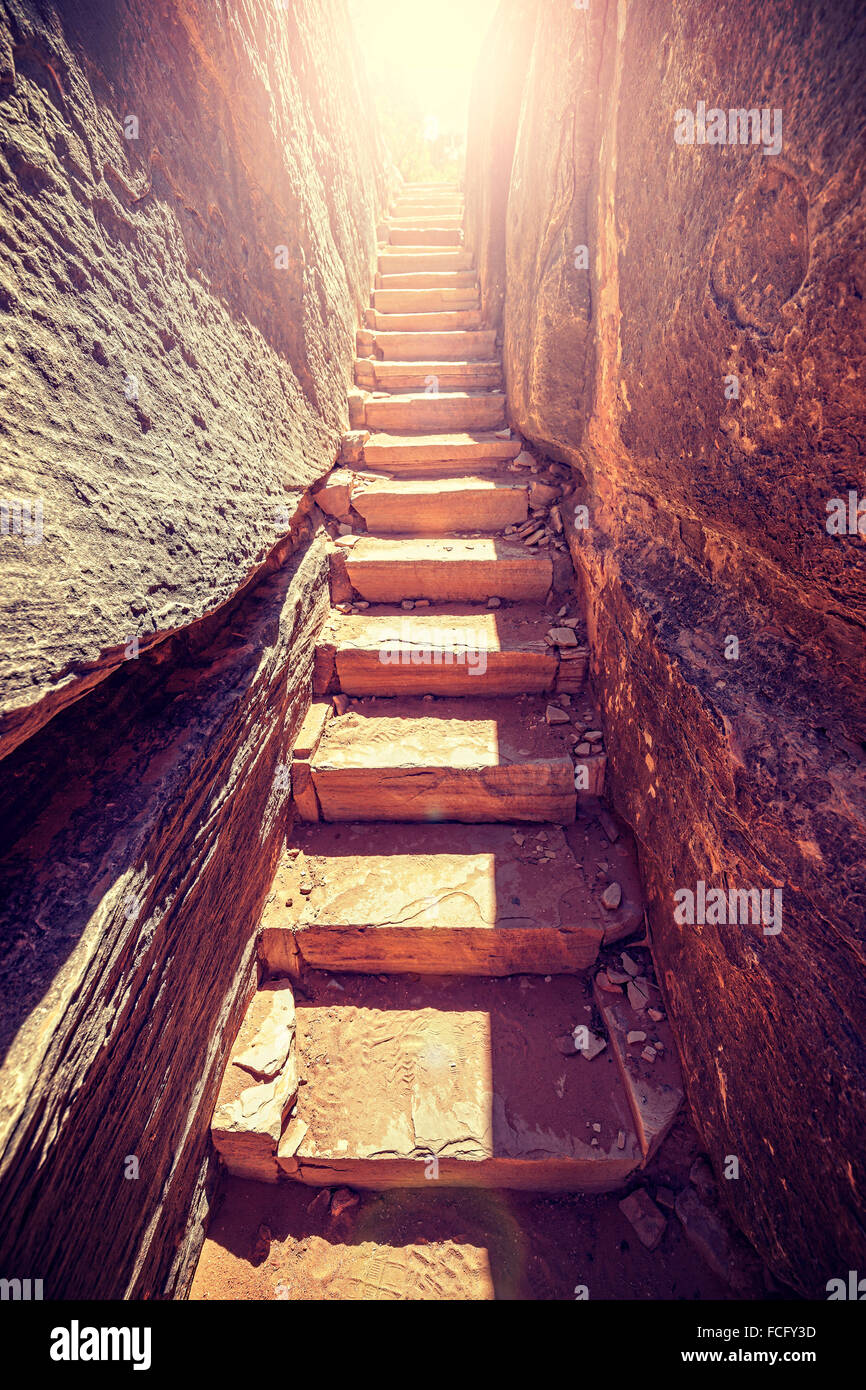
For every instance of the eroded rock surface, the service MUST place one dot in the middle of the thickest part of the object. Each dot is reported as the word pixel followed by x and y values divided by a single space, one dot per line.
pixel 189 202
pixel 683 325
pixel 138 846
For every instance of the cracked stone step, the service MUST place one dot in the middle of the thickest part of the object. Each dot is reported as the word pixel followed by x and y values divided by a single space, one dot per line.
pixel 386 570
pixel 424 301
pixel 401 262
pixel 462 1084
pixel 259 1086
pixel 415 375
pixel 436 506
pixel 456 759
pixel 445 410
pixel 446 321
pixel 424 453
pixel 441 653
pixel 462 345
pixel 446 899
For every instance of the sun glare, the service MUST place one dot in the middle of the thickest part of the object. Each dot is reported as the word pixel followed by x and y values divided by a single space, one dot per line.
pixel 420 59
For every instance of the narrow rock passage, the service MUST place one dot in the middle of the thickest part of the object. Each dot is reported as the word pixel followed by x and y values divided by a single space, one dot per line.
pixel 432 1013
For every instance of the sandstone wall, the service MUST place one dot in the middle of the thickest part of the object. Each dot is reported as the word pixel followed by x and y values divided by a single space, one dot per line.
pixel 171 379
pixel 138 847
pixel 146 787
pixel 707 520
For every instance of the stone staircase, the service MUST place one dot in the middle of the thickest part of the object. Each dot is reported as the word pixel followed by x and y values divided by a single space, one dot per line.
pixel 444 993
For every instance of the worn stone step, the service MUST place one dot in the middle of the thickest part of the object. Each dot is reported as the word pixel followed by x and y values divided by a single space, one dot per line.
pixel 435 506
pixel 393 262
pixel 470 375
pixel 443 410
pixel 427 280
pixel 462 1082
pixel 259 1086
pixel 386 570
pixel 427 214
pixel 455 759
pixel 417 346
pixel 424 301
pixel 425 236
pixel 447 321
pixel 470 652
pixel 419 453
pixel 432 217
pixel 448 899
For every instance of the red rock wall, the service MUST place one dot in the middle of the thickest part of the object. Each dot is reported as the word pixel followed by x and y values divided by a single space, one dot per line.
pixel 146 789
pixel 138 848
pixel 707 519
pixel 172 381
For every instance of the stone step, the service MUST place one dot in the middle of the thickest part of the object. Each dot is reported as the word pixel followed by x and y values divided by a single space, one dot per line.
pixel 447 321
pixel 435 506
pixel 448 899
pixel 460 1080
pixel 385 570
pixel 452 759
pixel 445 376
pixel 444 410
pixel 259 1086
pixel 433 217
pixel 440 652
pixel 428 280
pixel 403 262
pixel 425 236
pixel 427 213
pixel 424 301
pixel 460 346
pixel 419 453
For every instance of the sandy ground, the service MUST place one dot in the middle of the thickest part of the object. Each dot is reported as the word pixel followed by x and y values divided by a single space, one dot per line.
pixel 280 1242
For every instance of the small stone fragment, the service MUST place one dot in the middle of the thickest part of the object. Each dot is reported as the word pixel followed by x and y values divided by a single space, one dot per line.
pixel 593 1047
pixel 612 897
pixel 637 997
pixel 635 1037
pixel 320 1202
pixel 649 1223
pixel 631 966
pixel 648 1054
pixel 554 715
pixel 494 602
pixel 605 983
pixel 343 1200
